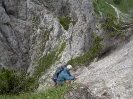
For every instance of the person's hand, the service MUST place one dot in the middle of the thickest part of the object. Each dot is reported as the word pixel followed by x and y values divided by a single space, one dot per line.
pixel 76 77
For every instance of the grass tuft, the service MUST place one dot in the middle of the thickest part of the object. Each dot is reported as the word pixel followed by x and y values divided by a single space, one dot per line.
pixel 50 93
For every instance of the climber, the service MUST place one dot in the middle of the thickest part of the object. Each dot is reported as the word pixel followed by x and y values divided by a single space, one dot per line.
pixel 65 76
pixel 55 73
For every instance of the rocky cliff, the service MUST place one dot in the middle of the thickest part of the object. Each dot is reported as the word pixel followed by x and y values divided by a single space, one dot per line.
pixel 31 29
pixel 111 77
pixel 39 35
pixel 15 33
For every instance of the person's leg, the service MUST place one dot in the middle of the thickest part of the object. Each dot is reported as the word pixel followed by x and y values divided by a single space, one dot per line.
pixel 68 81
pixel 54 80
pixel 60 83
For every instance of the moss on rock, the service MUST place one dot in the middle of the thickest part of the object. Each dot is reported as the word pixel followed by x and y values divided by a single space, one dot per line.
pixel 65 21
pixel 87 58
pixel 46 61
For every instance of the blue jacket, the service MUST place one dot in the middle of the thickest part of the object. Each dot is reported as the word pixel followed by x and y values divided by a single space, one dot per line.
pixel 64 75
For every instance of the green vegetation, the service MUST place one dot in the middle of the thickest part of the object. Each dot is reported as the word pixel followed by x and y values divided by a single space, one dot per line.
pixel 42 37
pixel 15 82
pixel 45 37
pixel 110 22
pixel 51 93
pixel 113 26
pixel 103 5
pixel 65 21
pixel 117 1
pixel 89 56
pixel 35 21
pixel 47 60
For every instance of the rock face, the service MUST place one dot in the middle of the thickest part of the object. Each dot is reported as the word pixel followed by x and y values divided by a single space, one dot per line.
pixel 80 92
pixel 111 77
pixel 31 30
pixel 14 35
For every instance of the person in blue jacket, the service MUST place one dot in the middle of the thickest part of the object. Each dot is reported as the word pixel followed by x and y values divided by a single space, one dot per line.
pixel 56 73
pixel 65 75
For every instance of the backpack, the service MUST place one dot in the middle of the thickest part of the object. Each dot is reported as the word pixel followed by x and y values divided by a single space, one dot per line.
pixel 56 73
